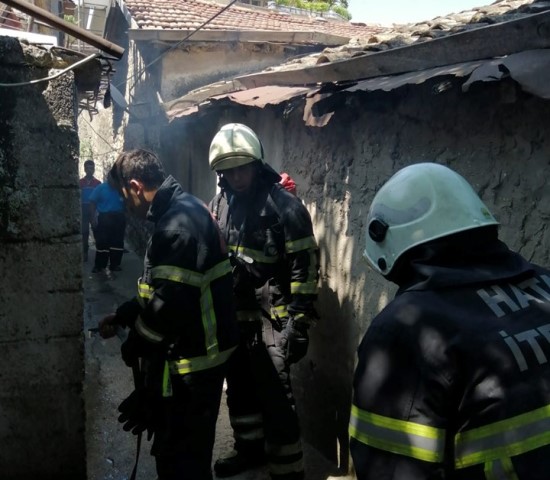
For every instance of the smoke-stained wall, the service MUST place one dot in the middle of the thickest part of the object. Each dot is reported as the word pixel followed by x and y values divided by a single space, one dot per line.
pixel 41 306
pixel 495 135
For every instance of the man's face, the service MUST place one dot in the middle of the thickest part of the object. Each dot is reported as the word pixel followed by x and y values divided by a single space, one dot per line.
pixel 89 169
pixel 240 178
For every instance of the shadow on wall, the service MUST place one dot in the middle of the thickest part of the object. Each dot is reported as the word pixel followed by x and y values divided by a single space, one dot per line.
pixel 323 381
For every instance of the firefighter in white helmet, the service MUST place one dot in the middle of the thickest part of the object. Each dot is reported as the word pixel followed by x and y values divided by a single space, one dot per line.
pixel 270 237
pixel 453 378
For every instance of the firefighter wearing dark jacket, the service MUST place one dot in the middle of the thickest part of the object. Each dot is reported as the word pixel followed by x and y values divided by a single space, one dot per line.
pixel 270 237
pixel 182 322
pixel 453 379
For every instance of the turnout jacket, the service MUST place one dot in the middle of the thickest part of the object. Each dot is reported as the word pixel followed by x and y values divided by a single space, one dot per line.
pixel 453 378
pixel 184 306
pixel 270 237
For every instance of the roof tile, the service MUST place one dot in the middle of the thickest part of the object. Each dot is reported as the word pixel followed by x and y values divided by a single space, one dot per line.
pixel 189 14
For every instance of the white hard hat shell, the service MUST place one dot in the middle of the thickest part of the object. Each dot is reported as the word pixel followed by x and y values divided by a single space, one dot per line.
pixel 234 145
pixel 420 203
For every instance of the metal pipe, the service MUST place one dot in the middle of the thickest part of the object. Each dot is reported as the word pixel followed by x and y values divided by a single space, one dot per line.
pixel 74 30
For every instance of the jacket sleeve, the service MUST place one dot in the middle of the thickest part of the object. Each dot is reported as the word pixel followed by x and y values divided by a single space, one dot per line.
pixel 401 402
pixel 302 255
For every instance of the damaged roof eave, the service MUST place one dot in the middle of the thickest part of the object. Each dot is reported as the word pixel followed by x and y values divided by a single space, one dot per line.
pixel 528 68
pixel 532 32
pixel 309 38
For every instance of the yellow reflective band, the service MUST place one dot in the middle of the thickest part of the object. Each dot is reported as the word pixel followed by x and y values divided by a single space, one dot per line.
pixel 147 332
pixel 397 436
pixel 286 468
pixel 303 288
pixel 196 364
pixel 199 280
pixel 283 450
pixel 190 277
pixel 166 382
pixel 145 292
pixel 500 470
pixel 256 255
pixel 299 245
pixel 505 438
pixel 209 321
pixel 279 311
pixel 177 274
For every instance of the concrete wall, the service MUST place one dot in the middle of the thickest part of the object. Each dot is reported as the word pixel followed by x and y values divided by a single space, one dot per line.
pixel 497 136
pixel 42 367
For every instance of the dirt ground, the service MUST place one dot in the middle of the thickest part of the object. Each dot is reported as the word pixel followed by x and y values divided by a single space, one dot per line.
pixel 111 452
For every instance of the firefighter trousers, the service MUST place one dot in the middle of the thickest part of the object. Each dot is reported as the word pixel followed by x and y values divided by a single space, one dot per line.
pixel 184 439
pixel 261 404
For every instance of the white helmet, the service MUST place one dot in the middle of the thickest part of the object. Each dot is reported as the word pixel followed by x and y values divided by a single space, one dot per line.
pixel 420 203
pixel 234 145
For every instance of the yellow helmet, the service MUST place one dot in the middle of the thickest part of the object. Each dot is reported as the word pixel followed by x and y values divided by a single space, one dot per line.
pixel 420 203
pixel 234 145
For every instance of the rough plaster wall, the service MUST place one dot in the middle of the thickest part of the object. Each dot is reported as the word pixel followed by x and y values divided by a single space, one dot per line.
pixel 496 136
pixel 195 65
pixel 41 372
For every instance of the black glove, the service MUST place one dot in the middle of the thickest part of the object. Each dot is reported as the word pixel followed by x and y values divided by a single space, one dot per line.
pixel 295 340
pixel 139 412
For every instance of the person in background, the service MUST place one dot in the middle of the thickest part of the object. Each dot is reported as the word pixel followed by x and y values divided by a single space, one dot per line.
pixel 87 184
pixel 182 326
pixel 110 226
pixel 270 235
pixel 453 378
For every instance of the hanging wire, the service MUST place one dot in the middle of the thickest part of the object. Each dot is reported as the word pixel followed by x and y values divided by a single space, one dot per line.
pixel 58 74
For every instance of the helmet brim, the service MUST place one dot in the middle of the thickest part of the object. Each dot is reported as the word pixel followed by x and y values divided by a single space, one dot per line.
pixel 234 161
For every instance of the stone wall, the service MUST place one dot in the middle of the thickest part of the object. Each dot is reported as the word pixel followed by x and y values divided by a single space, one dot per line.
pixel 42 368
pixel 495 135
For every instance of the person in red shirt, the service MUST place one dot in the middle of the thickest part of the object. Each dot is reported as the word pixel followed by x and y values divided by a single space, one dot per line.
pixel 87 185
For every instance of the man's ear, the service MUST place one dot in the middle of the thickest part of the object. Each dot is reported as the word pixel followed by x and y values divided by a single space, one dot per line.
pixel 136 186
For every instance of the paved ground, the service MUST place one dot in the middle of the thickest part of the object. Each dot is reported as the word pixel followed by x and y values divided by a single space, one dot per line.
pixel 111 451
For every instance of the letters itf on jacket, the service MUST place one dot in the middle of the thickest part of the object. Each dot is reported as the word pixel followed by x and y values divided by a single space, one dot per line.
pixel 519 297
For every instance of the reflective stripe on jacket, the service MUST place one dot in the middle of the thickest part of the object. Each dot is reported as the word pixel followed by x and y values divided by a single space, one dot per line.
pixel 185 292
pixel 457 380
pixel 271 235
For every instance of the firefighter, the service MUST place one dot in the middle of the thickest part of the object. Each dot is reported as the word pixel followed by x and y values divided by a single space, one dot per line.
pixel 270 236
pixel 453 378
pixel 182 322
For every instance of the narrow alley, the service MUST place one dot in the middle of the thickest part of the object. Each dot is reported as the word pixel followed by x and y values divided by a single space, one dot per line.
pixel 111 452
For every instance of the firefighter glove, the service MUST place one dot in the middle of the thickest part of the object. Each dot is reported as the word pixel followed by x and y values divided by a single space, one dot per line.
pixel 295 340
pixel 139 412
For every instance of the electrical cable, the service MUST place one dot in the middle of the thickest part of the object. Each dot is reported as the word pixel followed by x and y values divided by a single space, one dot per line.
pixel 58 74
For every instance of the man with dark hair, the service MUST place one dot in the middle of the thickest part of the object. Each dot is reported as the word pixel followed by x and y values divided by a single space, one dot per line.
pixel 453 378
pixel 270 236
pixel 181 323
pixel 87 184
